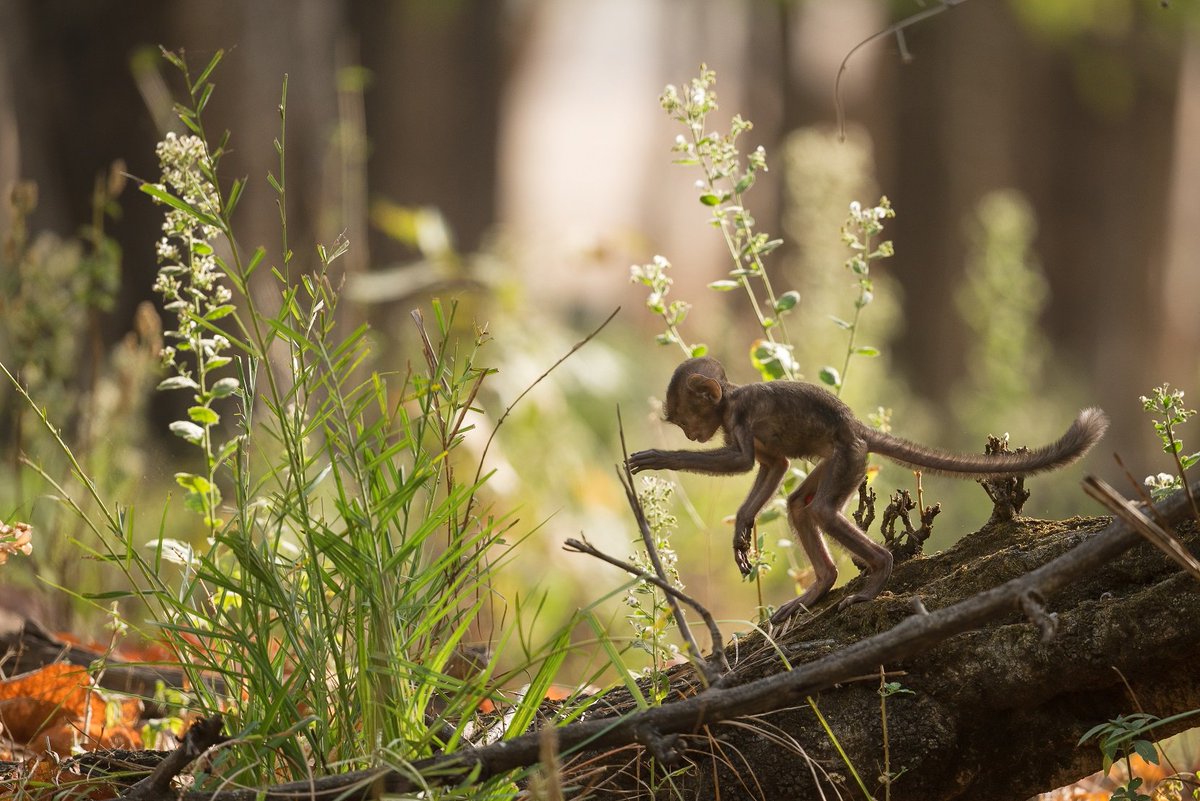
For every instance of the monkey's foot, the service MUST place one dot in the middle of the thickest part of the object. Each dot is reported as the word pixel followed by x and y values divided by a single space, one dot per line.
pixel 856 598
pixel 876 581
pixel 804 602
pixel 786 611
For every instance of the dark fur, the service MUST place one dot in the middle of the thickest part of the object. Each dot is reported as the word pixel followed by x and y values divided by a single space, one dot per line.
pixel 770 423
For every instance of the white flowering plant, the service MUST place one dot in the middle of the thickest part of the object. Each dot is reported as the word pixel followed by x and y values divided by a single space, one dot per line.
pixel 190 284
pixel 649 614
pixel 861 228
pixel 726 176
pixel 1169 404
pixel 342 565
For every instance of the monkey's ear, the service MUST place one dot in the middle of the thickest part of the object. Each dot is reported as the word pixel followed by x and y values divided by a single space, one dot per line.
pixel 710 388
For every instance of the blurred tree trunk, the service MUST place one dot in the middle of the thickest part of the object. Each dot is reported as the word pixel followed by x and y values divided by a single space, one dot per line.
pixel 432 108
pixel 70 111
pixel 1085 128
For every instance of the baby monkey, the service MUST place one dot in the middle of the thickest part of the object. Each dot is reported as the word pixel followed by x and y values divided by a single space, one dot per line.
pixel 774 421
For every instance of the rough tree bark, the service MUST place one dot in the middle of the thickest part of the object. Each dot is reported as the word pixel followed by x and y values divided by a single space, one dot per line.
pixel 994 707
pixel 993 713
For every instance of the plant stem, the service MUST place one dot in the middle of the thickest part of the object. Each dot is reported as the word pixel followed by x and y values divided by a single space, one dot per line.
pixel 1175 448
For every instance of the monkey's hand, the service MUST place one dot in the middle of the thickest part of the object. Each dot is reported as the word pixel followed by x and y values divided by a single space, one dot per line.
pixel 646 460
pixel 742 531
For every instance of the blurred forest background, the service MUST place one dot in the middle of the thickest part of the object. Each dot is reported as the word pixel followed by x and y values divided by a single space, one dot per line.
pixel 1040 155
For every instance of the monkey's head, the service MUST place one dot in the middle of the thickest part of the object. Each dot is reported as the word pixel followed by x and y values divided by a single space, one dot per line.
pixel 696 398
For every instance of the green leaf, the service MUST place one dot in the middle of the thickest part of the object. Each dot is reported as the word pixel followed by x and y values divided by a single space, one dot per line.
pixel 226 387
pixel 235 194
pixel 709 199
pixel 204 416
pixel 173 59
pixel 769 246
pixel 830 376
pixel 192 482
pixel 724 285
pixel 218 312
pixel 255 260
pixel 212 65
pixel 205 95
pixel 772 360
pixel 745 183
pixel 866 350
pixel 166 197
pixel 187 431
pixel 787 301
pixel 840 323
pixel 699 350
pixel 1146 750
pixel 177 382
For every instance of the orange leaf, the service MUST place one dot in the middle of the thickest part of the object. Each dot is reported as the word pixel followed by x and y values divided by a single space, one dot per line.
pixel 48 708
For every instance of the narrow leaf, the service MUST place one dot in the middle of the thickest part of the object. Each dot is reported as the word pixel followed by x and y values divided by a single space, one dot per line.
pixel 220 311
pixel 724 286
pixel 166 197
pixel 212 65
pixel 840 323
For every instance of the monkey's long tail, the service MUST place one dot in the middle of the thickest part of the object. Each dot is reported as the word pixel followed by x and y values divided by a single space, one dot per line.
pixel 1085 432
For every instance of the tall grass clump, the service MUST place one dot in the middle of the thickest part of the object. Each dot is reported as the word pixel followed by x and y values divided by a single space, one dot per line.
pixel 329 601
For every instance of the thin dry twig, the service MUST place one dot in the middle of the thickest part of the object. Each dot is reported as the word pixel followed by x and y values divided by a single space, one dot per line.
pixel 910 636
pixel 1131 514
pixel 536 381
pixel 1140 489
pixel 711 672
pixel 203 734
pixel 718 642
pixel 896 29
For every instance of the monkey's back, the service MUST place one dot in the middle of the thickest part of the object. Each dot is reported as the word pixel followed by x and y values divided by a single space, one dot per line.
pixel 795 419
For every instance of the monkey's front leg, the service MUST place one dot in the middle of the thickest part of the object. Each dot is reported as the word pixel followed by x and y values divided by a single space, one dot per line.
pixel 720 461
pixel 770 473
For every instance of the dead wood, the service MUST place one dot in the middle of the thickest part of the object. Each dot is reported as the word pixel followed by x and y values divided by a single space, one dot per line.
pixel 994 710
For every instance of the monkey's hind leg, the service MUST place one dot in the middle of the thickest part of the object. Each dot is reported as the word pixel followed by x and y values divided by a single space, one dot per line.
pixel 847 467
pixel 804 525
pixel 817 504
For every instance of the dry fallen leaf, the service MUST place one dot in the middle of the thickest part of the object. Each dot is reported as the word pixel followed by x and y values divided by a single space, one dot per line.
pixel 57 706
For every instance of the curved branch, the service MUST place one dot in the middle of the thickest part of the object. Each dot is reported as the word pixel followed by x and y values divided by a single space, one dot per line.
pixel 911 636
